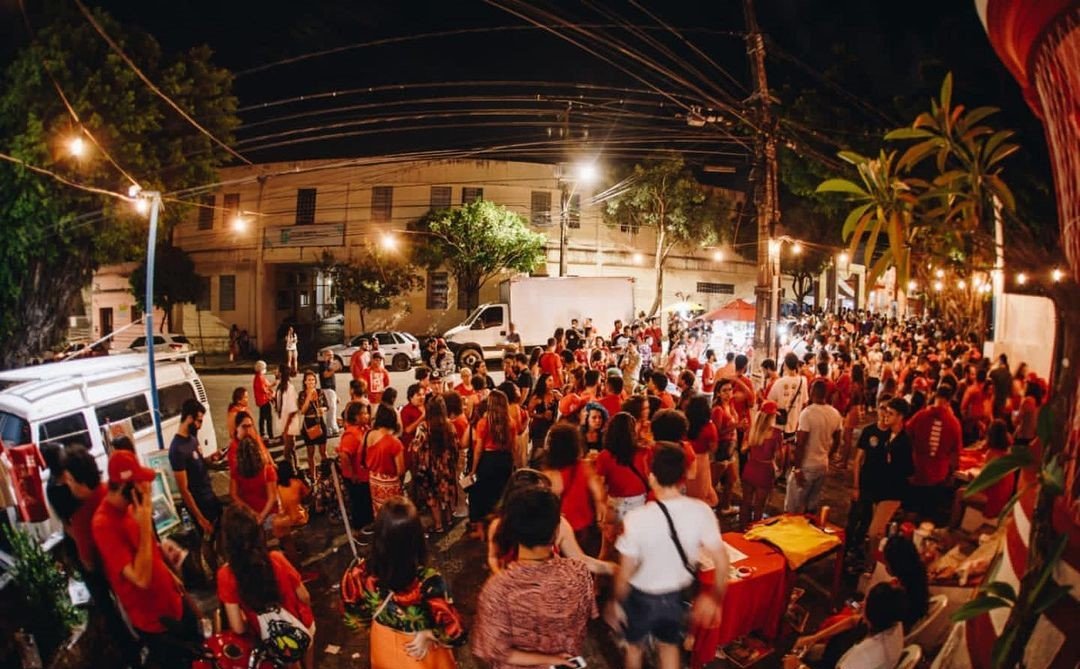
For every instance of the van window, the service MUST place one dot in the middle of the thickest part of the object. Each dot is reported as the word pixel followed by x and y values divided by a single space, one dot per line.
pixel 171 399
pixel 14 430
pixel 493 317
pixel 65 430
pixel 134 407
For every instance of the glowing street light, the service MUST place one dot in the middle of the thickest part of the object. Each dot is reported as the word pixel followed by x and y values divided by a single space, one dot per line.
pixel 796 248
pixel 76 146
pixel 961 284
pixel 939 273
pixel 638 258
pixel 842 259
pixel 911 286
pixel 1057 275
pixel 718 256
pixel 142 206
pixel 1021 278
pixel 388 242
pixel 239 223
pixel 774 248
pixel 587 173
pixel 938 286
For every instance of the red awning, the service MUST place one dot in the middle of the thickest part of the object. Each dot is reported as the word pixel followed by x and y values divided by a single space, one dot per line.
pixel 735 310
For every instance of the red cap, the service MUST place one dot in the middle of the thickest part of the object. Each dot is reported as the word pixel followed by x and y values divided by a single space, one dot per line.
pixel 124 467
pixel 769 407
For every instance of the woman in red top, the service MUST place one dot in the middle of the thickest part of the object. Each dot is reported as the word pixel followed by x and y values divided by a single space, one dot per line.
pixel 573 480
pixel 352 452
pixel 385 458
pixel 725 469
pixel 703 437
pixel 763 444
pixel 253 480
pixel 623 467
pixel 255 580
pixel 492 459
pixel 239 403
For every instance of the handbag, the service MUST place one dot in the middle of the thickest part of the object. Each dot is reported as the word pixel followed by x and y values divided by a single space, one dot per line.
pixel 687 593
pixel 314 431
pixel 782 414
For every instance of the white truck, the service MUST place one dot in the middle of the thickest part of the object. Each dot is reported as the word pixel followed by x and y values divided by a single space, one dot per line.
pixel 536 306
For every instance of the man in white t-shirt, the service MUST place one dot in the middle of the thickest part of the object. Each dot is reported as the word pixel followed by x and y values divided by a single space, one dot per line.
pixel 790 392
pixel 653 573
pixel 819 434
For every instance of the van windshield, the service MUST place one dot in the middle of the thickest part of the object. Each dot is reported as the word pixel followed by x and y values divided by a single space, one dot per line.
pixel 14 430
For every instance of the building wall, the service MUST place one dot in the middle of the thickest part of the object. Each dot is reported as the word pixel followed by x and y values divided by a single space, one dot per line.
pixel 275 261
pixel 110 289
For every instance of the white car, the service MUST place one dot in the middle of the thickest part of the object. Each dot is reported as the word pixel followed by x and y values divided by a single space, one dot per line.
pixel 400 350
pixel 164 342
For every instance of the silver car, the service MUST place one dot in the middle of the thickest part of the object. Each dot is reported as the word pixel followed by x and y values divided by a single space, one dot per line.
pixel 164 342
pixel 400 350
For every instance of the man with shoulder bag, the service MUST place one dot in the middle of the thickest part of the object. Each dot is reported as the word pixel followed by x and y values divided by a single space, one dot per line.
pixel 656 585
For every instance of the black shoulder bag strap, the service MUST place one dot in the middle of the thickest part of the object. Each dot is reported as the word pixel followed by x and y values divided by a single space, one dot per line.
pixel 675 538
pixel 798 391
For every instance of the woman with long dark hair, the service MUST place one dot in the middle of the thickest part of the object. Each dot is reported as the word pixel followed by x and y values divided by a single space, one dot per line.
pixel 287 405
pixel 256 580
pixel 543 410
pixel 239 403
pixel 902 561
pixel 413 619
pixel 573 480
pixel 385 457
pixel 492 459
pixel 313 410
pixel 725 466
pixel 253 478
pixel 703 437
pixel 594 421
pixel 434 464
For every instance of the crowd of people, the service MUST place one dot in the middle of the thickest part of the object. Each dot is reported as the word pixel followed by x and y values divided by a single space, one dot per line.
pixel 595 473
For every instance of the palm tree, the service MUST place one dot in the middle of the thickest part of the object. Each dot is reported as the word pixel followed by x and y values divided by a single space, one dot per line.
pixel 885 203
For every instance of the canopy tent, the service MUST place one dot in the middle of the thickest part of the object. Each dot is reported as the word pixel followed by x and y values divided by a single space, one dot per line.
pixel 683 307
pixel 735 310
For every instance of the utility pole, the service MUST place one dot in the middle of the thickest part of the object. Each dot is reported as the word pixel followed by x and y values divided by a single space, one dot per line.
pixel 564 193
pixel 766 201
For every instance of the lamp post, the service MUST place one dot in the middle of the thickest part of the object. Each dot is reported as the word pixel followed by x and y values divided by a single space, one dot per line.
pixel 586 174
pixel 153 199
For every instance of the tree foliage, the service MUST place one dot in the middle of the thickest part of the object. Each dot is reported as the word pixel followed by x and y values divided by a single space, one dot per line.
pixel 664 196
pixel 175 281
pixel 372 280
pixel 54 235
pixel 476 243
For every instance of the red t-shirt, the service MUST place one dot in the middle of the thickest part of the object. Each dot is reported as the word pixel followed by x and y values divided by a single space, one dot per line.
pixel 484 438
pixel 376 382
pixel 621 481
pixel 461 427
pixel 288 582
pixel 611 402
pixel 743 398
pixel 116 534
pixel 382 456
pixel 576 505
pixel 349 449
pixel 463 390
pixel 666 400
pixel 725 424
pixel 258 385
pixel 79 526
pixel 936 439
pixel 708 378
pixel 234 447
pixel 252 490
pixel 843 393
pixel 551 363
pixel 706 439
pixel 409 414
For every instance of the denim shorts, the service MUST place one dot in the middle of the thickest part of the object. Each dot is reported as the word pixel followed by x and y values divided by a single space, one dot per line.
pixel 663 617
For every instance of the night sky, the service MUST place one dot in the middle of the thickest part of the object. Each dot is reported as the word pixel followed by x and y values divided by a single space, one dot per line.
pixel 427 80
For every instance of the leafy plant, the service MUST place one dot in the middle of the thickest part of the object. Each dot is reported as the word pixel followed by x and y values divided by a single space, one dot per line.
pixel 175 281
pixel 372 280
pixel 42 586
pixel 477 242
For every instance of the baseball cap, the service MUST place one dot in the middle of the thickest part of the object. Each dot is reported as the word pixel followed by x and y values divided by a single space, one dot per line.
pixel 124 467
pixel 769 407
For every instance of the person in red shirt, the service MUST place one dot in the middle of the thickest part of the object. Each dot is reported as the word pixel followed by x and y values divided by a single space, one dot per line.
pixel 360 360
pixel 412 414
pixel 936 439
pixel 724 468
pixel 671 425
pixel 352 452
pixel 573 480
pixel 263 391
pixel 256 580
pixel 385 458
pixel 657 335
pixel 658 382
pixel 465 389
pixel 376 378
pixel 613 399
pixel 253 480
pixel 842 387
pixel 823 376
pixel 708 372
pixel 123 531
pixel 550 362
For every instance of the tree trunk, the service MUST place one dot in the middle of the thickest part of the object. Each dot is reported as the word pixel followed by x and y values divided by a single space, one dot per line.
pixel 363 326
pixel 658 266
pixel 47 296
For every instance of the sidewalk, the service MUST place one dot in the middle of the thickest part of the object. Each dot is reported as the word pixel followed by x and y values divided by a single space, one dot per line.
pixel 218 363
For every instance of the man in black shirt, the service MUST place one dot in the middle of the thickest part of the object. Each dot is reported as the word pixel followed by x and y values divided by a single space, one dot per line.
pixel 524 378
pixel 189 468
pixel 328 369
pixel 883 464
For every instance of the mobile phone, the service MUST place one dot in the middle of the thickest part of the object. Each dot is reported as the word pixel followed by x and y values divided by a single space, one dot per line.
pixel 576 662
pixel 128 491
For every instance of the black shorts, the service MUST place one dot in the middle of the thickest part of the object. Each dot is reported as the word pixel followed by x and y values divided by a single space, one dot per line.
pixel 663 617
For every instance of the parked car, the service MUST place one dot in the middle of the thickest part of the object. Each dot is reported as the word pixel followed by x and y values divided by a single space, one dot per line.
pixel 164 342
pixel 400 350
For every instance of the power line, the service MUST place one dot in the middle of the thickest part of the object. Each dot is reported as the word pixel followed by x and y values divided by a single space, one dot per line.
pixel 61 179
pixel 146 80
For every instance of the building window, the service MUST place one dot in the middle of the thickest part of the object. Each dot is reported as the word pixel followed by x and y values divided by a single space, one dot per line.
pixel 231 205
pixel 438 290
pixel 440 197
pixel 382 203
pixel 227 292
pixel 573 211
pixel 203 303
pixel 716 288
pixel 629 227
pixel 471 194
pixel 540 208
pixel 206 212
pixel 305 206
pixel 136 313
pixel 305 298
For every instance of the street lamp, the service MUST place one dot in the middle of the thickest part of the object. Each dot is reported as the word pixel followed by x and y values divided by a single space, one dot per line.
pixel 76 146
pixel 583 174
pixel 388 241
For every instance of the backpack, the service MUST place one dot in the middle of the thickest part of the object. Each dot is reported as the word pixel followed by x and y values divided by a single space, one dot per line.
pixel 284 637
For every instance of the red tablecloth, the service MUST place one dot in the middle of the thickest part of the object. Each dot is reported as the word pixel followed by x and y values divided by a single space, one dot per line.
pixel 756 603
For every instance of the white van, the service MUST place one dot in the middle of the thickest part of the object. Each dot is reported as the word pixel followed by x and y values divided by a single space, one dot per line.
pixel 87 400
